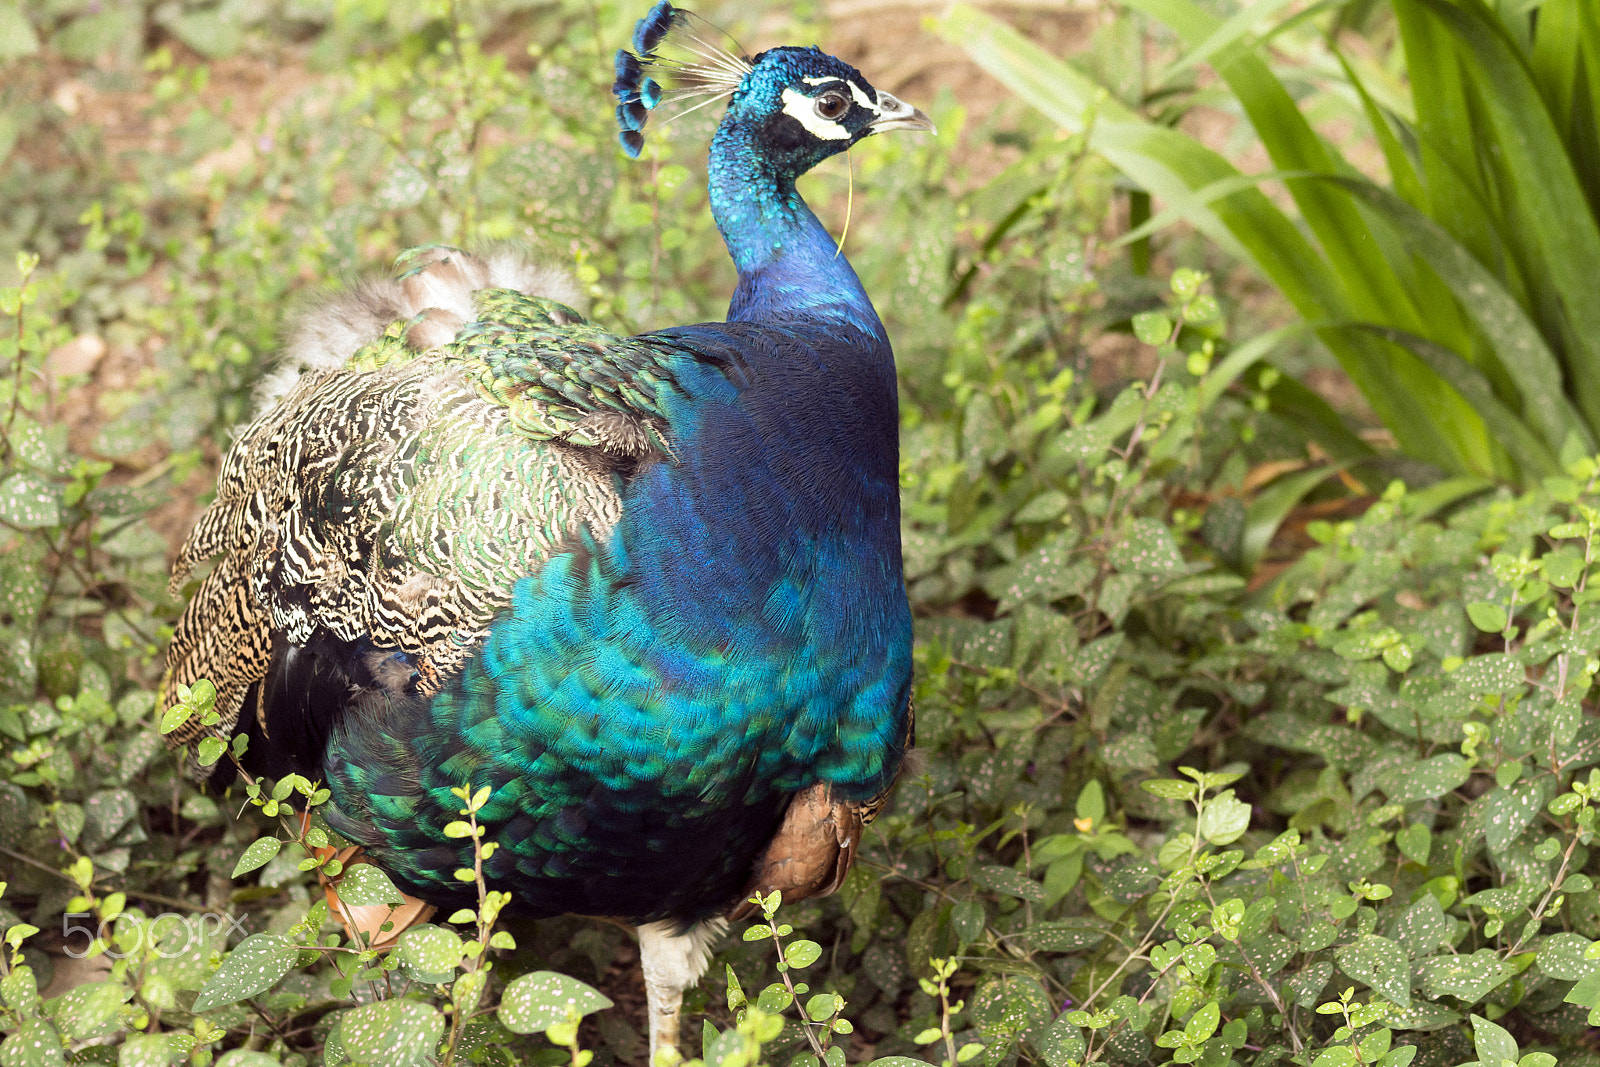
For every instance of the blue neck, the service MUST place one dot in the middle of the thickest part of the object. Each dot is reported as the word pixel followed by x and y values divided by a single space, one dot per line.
pixel 789 266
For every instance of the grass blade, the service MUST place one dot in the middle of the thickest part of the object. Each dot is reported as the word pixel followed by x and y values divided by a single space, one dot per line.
pixel 1516 342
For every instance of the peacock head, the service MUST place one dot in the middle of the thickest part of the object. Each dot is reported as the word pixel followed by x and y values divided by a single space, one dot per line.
pixel 800 105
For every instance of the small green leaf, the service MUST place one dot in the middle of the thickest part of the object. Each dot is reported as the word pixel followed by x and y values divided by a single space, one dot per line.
pixel 1486 616
pixel 1225 819
pixel 1152 327
pixel 210 750
pixel 802 953
pixel 1203 1023
pixel 1415 842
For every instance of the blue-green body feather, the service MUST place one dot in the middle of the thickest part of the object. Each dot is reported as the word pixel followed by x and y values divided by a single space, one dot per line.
pixel 648 704
pixel 647 589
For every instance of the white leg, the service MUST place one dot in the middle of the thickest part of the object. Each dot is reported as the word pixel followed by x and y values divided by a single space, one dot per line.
pixel 672 963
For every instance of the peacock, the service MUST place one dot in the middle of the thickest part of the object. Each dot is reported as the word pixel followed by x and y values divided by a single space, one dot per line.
pixel 647 589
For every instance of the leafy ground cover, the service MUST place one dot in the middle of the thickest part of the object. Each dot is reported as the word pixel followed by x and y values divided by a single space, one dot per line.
pixel 1187 793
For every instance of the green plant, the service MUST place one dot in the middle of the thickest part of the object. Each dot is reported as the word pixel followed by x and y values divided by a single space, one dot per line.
pixel 1457 299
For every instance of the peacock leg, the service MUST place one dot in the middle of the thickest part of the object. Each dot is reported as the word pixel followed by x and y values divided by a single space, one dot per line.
pixel 672 962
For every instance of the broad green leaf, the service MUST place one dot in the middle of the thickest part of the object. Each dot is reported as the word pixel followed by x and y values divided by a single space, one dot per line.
pixel 429 953
pixel 1425 779
pixel 1224 819
pixel 1507 812
pixel 261 850
pixel 364 884
pixel 1380 964
pixel 1514 339
pixel 254 966
pixel 1562 957
pixel 1532 453
pixel 1469 977
pixel 1068 935
pixel 1487 616
pixel 30 502
pixel 1414 841
pixel 35 1042
pixel 1271 505
pixel 89 1011
pixel 1005 880
pixel 535 1002
pixel 391 1033
pixel 1494 1042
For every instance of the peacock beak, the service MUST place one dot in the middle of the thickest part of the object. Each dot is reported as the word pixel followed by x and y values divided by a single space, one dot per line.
pixel 896 114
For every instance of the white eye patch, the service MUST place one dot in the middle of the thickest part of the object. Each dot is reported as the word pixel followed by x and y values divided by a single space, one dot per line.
pixel 803 109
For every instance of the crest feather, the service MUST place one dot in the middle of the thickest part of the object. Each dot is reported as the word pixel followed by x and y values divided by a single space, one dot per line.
pixel 700 61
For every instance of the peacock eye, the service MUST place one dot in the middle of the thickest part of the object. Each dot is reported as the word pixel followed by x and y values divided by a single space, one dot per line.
pixel 832 105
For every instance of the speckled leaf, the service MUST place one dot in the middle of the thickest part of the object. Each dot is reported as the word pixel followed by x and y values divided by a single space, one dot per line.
pixel 429 953
pixel 1045 574
pixel 243 1057
pixel 1507 899
pixel 1069 935
pixel 1507 812
pixel 1493 1042
pixel 1007 881
pixel 1422 1015
pixel 885 966
pixel 34 1044
pixel 1270 952
pixel 988 646
pixel 105 814
pixel 1147 547
pixel 1130 882
pixel 1491 673
pixel 1004 1007
pixel 1468 977
pixel 535 1002
pixel 89 1011
pixel 1425 779
pixel 254 966
pixel 261 850
pixel 1224 819
pixel 154 1050
pixel 1562 956
pixel 392 1032
pixel 1424 927
pixel 364 884
pixel 1304 987
pixel 21 585
pixel 29 502
pixel 1090 661
pixel 1381 964
pixel 1336 744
